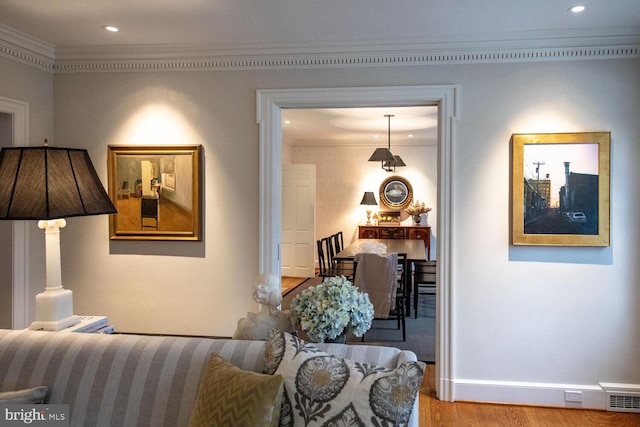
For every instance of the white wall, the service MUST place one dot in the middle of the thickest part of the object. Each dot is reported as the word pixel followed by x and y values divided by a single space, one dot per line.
pixel 544 314
pixel 174 287
pixel 527 315
pixel 23 83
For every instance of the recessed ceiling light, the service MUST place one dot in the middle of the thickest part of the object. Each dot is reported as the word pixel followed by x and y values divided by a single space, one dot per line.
pixel 110 28
pixel 577 8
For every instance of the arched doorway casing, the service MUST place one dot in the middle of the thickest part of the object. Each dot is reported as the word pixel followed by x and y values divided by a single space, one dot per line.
pixel 269 105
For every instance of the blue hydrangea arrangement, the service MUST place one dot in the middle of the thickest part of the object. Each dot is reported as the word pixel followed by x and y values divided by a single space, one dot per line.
pixel 331 308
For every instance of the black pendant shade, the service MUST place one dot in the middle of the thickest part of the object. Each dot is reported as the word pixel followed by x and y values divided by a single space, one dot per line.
pixel 397 161
pixel 388 161
pixel 381 155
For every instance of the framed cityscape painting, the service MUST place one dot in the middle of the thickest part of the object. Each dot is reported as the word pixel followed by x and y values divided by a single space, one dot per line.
pixel 560 189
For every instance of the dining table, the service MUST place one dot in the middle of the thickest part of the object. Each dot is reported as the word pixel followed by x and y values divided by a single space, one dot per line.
pixel 413 248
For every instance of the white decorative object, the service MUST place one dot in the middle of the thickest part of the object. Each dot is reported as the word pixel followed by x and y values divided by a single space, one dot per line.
pixel 371 248
pixel 255 326
pixel 54 306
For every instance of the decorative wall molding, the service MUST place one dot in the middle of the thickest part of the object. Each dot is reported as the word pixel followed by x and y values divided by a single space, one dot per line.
pixel 344 60
pixel 26 49
pixel 270 102
pixel 491 48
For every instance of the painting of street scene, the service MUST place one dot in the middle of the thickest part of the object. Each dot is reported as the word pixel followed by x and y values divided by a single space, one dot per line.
pixel 560 188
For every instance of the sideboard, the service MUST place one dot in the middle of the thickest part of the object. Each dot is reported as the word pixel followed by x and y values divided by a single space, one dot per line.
pixel 417 232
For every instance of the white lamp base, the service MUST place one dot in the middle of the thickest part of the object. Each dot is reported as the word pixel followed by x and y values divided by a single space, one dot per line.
pixel 54 310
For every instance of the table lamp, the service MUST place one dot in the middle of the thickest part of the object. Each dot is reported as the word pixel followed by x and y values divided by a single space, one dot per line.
pixel 48 184
pixel 370 200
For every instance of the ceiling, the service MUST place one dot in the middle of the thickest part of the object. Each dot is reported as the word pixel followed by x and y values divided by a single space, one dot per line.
pixel 323 25
pixel 276 22
pixel 361 126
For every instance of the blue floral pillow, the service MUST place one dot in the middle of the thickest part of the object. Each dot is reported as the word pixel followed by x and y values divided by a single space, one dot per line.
pixel 325 390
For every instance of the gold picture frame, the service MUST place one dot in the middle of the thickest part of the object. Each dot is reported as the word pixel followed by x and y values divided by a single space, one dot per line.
pixel 396 193
pixel 560 185
pixel 156 190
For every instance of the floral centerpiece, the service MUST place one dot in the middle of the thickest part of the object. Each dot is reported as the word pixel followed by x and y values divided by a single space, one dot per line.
pixel 332 308
pixel 417 208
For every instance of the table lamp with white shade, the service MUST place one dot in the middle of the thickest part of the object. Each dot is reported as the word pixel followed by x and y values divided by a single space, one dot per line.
pixel 48 184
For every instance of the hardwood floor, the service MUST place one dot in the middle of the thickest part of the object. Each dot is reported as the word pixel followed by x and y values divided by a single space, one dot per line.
pixel 287 283
pixel 434 412
pixel 171 216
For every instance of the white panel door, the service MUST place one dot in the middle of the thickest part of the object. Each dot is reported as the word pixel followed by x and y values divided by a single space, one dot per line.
pixel 298 220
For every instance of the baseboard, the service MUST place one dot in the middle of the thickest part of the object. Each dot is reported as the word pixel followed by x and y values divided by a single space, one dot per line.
pixel 524 393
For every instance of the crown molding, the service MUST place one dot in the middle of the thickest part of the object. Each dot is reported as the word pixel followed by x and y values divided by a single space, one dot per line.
pixel 26 49
pixel 340 60
pixel 523 46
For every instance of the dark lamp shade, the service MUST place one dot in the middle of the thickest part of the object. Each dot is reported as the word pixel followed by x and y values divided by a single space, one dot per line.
pixel 368 199
pixel 49 183
pixel 381 155
pixel 397 161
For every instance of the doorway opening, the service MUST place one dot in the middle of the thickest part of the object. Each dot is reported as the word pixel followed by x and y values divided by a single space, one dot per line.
pixel 337 143
pixel 6 235
pixel 269 106
pixel 15 132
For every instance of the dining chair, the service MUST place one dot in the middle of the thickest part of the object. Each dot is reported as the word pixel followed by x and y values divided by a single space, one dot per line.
pixel 381 278
pixel 338 267
pixel 323 265
pixel 424 278
pixel 403 294
pixel 327 265
pixel 338 241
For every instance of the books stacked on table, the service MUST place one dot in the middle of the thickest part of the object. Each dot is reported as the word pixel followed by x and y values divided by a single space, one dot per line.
pixel 92 325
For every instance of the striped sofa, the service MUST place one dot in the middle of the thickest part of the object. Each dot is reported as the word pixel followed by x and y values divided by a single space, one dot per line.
pixel 134 380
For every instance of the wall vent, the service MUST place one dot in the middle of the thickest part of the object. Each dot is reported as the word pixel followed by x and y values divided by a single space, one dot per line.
pixel 623 402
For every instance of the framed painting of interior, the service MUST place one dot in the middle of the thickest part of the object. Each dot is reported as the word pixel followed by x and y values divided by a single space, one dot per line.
pixel 156 190
pixel 560 189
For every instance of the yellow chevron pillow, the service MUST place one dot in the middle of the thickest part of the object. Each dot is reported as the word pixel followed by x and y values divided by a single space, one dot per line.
pixel 34 395
pixel 230 396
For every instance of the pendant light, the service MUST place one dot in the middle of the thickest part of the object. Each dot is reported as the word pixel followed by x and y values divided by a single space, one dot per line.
pixel 388 161
pixel 393 163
